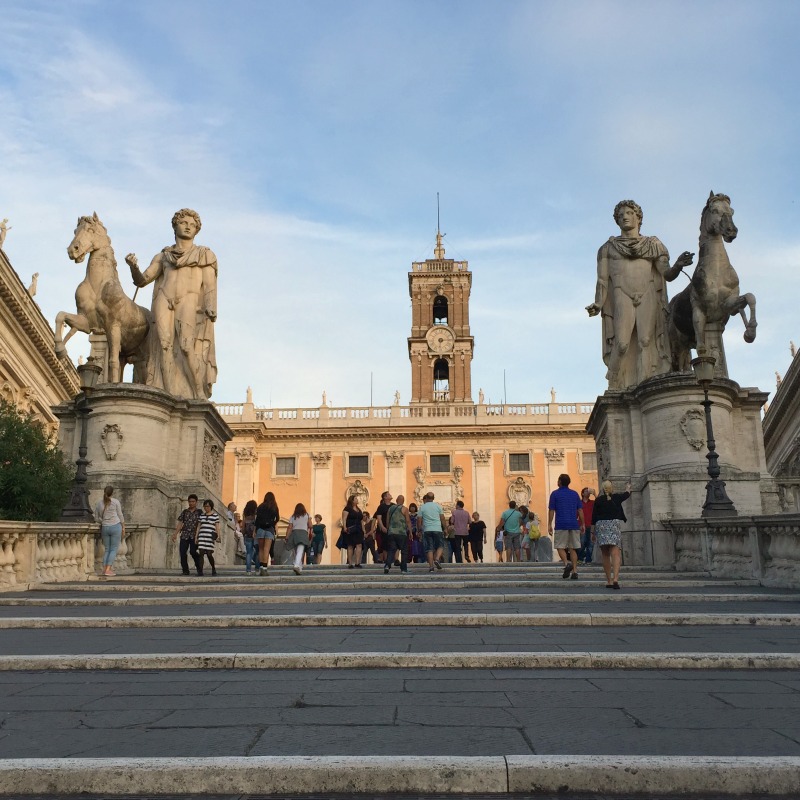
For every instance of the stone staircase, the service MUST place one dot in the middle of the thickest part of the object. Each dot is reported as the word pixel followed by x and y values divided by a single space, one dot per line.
pixel 477 680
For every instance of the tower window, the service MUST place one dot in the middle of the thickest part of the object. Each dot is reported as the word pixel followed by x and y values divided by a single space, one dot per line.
pixel 440 310
pixel 441 380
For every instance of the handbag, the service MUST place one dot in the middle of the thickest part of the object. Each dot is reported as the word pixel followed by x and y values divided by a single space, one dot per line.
pixel 341 543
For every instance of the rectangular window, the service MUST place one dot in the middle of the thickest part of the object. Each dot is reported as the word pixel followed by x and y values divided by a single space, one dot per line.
pixel 589 462
pixel 358 465
pixel 284 465
pixel 440 463
pixel 519 462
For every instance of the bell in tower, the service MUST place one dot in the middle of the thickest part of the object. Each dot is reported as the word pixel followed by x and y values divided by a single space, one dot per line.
pixel 440 346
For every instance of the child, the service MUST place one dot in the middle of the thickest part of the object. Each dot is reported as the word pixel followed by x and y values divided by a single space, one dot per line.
pixel 499 545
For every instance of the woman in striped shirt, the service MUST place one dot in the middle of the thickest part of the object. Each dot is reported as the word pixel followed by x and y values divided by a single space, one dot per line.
pixel 207 534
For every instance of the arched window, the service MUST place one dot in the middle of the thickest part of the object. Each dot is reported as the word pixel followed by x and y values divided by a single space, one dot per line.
pixel 441 380
pixel 440 310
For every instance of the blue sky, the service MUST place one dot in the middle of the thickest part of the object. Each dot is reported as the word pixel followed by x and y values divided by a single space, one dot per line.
pixel 312 137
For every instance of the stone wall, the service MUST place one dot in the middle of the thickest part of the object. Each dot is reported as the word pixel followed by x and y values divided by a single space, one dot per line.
pixel 766 548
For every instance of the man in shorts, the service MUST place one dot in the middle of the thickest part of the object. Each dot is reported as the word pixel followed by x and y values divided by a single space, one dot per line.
pixel 509 525
pixel 432 515
pixel 566 507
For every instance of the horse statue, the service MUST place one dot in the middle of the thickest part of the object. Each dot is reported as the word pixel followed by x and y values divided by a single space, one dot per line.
pixel 698 314
pixel 103 306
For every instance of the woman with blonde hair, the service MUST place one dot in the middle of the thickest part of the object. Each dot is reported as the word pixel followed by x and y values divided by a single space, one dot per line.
pixel 606 516
pixel 108 512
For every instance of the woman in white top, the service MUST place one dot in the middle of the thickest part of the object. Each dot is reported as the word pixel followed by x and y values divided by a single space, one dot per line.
pixel 299 535
pixel 108 512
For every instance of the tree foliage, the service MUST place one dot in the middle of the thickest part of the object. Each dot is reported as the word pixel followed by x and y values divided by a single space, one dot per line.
pixel 35 477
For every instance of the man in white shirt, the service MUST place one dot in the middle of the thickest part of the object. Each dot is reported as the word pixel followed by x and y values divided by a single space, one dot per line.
pixel 433 522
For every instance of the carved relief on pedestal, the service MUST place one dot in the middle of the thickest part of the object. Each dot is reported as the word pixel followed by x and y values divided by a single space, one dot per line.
pixel 482 456
pixel 520 491
pixel 693 426
pixel 245 455
pixel 212 461
pixel 111 440
pixel 360 491
pixel 395 458
pixel 321 459
pixel 554 455
pixel 458 474
pixel 7 393
pixel 603 458
pixel 419 491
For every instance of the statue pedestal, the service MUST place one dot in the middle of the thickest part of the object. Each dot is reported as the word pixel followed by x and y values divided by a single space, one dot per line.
pixel 155 450
pixel 654 435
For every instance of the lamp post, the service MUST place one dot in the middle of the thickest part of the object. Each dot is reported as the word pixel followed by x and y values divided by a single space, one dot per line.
pixel 717 504
pixel 78 509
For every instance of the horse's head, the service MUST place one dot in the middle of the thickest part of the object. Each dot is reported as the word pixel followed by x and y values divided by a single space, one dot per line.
pixel 717 218
pixel 89 235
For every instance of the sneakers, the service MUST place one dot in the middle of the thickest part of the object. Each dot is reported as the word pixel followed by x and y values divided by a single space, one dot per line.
pixel 431 569
pixel 297 570
pixel 437 565
pixel 386 570
pixel 263 571
pixel 574 576
pixel 358 566
pixel 567 570
pixel 350 566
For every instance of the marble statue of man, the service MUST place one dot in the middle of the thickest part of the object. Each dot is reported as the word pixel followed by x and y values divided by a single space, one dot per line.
pixel 632 272
pixel 184 310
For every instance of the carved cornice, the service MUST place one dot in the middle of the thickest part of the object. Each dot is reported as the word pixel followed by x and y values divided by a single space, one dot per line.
pixel 395 457
pixel 27 314
pixel 554 455
pixel 246 455
pixel 482 456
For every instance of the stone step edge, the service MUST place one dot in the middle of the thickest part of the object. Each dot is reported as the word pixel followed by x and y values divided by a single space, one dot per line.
pixel 403 621
pixel 567 596
pixel 377 775
pixel 389 660
pixel 377 582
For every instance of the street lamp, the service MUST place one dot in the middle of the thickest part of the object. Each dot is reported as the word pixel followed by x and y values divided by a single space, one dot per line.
pixel 717 504
pixel 78 509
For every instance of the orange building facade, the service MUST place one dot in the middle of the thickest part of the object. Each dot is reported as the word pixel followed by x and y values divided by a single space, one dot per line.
pixel 443 441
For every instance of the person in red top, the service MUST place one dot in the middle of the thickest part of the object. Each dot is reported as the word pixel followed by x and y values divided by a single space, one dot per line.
pixel 587 500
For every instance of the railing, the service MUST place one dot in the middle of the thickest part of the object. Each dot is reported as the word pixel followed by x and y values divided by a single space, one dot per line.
pixel 766 548
pixel 440 265
pixel 323 416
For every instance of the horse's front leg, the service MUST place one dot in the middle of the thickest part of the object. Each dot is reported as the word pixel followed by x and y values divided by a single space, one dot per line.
pixel 76 322
pixel 113 337
pixel 699 324
pixel 751 324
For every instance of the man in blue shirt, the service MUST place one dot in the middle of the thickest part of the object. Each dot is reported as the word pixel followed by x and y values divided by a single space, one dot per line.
pixel 565 505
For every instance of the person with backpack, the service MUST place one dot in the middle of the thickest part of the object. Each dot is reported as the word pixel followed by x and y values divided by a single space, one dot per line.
pixel 267 516
pixel 398 529
pixel 509 525
pixel 249 533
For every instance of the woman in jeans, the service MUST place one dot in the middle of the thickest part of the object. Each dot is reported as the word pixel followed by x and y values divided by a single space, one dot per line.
pixel 267 516
pixel 299 536
pixel 249 533
pixel 108 512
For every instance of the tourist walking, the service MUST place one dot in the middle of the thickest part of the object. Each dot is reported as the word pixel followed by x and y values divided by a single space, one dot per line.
pixel 566 509
pixel 606 518
pixel 586 541
pixel 320 540
pixel 460 522
pixel 380 531
pixel 299 536
pixel 416 548
pixel 108 513
pixel 370 526
pixel 267 516
pixel 398 530
pixel 186 526
pixel 510 526
pixel 353 527
pixel 236 521
pixel 249 535
pixel 433 524
pixel 207 534
pixel 477 537
pixel 524 539
pixel 535 536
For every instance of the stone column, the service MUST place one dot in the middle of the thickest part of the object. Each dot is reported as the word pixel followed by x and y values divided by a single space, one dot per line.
pixel 322 501
pixel 396 483
pixel 483 492
pixel 245 478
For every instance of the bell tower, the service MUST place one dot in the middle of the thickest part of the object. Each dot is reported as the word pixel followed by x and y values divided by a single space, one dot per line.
pixel 440 346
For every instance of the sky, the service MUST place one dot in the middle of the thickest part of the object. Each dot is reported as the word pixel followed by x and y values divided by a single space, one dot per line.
pixel 313 138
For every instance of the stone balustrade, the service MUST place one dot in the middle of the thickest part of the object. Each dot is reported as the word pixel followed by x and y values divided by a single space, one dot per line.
pixel 766 548
pixel 55 552
pixel 407 416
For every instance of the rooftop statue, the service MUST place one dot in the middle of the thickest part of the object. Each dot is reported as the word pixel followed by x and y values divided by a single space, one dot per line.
pixel 4 229
pixel 103 306
pixel 712 297
pixel 631 295
pixel 184 309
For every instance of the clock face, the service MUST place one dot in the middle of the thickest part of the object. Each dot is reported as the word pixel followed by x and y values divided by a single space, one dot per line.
pixel 440 339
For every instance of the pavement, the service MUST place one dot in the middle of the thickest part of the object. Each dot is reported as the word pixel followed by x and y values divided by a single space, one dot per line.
pixel 480 680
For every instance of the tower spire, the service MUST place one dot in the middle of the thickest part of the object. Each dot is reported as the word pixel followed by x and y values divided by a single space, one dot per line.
pixel 438 251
